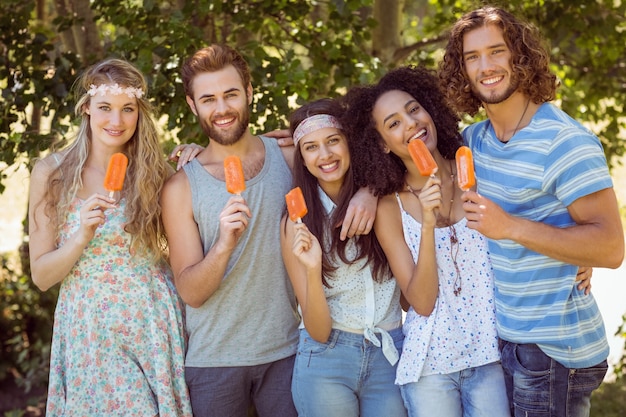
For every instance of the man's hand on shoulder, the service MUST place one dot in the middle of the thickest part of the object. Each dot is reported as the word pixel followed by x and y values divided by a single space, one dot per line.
pixel 282 136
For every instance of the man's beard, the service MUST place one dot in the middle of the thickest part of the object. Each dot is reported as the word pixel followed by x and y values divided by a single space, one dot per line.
pixel 496 99
pixel 227 137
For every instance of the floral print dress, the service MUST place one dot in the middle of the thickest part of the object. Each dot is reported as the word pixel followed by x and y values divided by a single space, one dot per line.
pixel 119 343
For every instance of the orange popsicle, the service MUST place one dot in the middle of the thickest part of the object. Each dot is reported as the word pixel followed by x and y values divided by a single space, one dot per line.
pixel 422 158
pixel 233 174
pixel 296 205
pixel 116 171
pixel 465 168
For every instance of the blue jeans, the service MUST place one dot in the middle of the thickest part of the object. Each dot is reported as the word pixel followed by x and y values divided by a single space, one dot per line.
pixel 229 391
pixel 472 392
pixel 539 386
pixel 345 377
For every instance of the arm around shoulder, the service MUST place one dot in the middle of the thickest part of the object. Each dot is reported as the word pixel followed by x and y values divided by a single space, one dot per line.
pixel 288 154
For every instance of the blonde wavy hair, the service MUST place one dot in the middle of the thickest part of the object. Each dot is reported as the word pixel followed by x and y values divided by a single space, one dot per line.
pixel 147 168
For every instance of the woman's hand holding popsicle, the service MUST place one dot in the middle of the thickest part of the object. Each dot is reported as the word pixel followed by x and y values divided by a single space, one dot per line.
pixel 430 199
pixel 91 217
pixel 430 195
pixel 306 248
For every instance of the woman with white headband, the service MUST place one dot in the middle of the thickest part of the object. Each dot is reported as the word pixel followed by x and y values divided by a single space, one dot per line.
pixel 351 334
pixel 118 344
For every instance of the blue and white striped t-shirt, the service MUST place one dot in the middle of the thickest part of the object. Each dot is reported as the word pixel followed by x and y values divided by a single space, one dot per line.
pixel 538 173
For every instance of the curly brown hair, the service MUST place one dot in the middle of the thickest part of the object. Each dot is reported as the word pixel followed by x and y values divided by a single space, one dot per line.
pixel 530 59
pixel 316 221
pixel 384 172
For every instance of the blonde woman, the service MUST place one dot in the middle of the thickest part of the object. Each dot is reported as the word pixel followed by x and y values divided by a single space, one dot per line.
pixel 118 345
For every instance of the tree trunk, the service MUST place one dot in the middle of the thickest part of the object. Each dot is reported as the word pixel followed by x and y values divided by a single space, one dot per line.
pixel 86 34
pixel 387 36
pixel 320 13
pixel 67 36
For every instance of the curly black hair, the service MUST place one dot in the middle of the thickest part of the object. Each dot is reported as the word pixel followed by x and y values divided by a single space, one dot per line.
pixel 384 172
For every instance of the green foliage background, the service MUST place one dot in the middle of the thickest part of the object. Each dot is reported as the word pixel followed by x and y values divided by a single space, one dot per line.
pixel 298 51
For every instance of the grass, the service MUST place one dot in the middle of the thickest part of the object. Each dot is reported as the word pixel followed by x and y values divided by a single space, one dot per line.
pixel 609 400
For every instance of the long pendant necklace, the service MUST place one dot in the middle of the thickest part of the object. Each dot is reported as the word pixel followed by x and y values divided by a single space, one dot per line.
pixel 454 240
pixel 518 123
pixel 447 222
pixel 454 252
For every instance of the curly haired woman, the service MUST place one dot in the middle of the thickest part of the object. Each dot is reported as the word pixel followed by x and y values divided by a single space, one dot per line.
pixel 449 365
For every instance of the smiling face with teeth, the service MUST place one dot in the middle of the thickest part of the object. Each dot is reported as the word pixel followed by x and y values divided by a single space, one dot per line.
pixel 400 119
pixel 487 62
pixel 222 104
pixel 326 156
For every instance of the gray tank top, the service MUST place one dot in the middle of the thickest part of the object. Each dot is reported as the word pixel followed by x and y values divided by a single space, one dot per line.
pixel 252 318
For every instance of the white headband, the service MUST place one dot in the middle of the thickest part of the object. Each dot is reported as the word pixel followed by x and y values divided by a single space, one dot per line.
pixel 114 89
pixel 313 123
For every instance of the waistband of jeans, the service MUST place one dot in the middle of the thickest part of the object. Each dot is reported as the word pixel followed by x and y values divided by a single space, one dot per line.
pixel 383 326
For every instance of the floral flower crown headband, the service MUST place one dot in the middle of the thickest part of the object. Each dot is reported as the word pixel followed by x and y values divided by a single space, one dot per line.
pixel 114 89
pixel 313 123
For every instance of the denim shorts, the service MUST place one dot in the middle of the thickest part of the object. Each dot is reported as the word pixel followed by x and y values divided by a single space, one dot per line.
pixel 230 391
pixel 539 386
pixel 347 376
pixel 474 392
